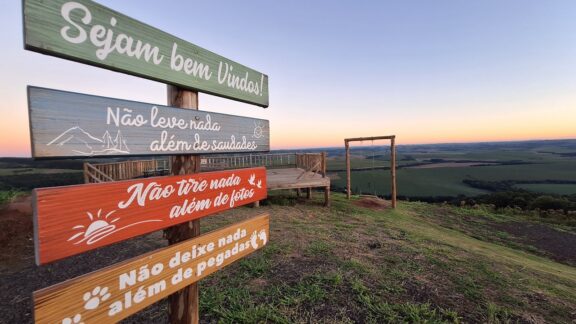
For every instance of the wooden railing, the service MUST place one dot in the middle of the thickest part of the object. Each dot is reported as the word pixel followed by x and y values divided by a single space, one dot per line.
pixel 103 172
pixel 313 162
pixel 270 161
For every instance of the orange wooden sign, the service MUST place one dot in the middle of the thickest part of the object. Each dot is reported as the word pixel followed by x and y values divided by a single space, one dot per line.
pixel 74 219
pixel 113 293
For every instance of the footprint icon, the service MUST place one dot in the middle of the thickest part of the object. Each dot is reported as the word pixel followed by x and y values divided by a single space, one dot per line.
pixel 93 298
pixel 74 320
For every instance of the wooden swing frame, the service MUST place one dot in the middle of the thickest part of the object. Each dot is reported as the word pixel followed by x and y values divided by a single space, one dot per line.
pixel 392 139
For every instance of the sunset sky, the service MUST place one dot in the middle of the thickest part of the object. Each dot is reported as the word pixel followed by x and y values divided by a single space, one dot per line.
pixel 426 71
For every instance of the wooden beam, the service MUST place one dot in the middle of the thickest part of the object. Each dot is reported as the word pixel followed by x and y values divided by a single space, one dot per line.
pixel 393 170
pixel 348 190
pixel 184 304
pixel 359 139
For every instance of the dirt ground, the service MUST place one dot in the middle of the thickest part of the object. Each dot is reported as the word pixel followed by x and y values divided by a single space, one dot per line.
pixel 552 241
pixel 16 234
pixel 372 202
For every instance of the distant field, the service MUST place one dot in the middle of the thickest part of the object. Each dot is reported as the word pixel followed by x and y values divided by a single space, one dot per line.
pixel 411 182
pixel 356 163
pixel 558 189
pixel 448 181
pixel 22 171
pixel 438 169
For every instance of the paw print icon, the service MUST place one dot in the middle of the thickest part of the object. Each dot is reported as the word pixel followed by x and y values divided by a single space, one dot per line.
pixel 76 319
pixel 93 298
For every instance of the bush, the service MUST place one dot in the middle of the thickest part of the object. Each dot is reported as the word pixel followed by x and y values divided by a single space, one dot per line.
pixel 549 202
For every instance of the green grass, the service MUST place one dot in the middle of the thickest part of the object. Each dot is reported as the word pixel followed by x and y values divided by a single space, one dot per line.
pixel 403 265
pixel 7 196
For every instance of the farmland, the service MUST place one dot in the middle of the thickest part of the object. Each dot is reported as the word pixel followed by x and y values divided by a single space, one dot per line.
pixel 440 170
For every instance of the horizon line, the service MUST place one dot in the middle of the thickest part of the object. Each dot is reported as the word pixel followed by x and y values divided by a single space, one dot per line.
pixel 333 147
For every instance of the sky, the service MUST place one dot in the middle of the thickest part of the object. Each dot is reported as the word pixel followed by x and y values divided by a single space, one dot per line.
pixel 426 71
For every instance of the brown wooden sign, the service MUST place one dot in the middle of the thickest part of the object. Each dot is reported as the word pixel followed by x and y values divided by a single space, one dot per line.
pixel 115 292
pixel 74 219
pixel 67 124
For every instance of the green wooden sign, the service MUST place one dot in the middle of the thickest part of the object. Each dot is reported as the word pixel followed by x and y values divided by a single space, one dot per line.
pixel 90 33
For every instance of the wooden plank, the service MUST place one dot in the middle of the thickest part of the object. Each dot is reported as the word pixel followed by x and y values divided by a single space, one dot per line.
pixel 289 179
pixel 74 219
pixel 90 33
pixel 113 293
pixel 66 124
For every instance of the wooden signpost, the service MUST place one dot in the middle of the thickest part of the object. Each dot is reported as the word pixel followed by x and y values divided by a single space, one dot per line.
pixel 113 293
pixel 66 124
pixel 90 33
pixel 74 219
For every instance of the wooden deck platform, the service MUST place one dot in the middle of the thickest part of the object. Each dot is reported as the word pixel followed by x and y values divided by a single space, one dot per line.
pixel 294 178
pixel 297 178
pixel 284 171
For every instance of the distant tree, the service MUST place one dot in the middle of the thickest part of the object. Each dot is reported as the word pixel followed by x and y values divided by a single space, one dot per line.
pixel 549 202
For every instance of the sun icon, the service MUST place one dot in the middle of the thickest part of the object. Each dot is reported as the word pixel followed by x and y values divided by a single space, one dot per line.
pixel 99 228
pixel 258 130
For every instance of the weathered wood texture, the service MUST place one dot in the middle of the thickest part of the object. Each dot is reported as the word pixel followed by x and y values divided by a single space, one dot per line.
pixel 66 124
pixel 314 162
pixel 184 304
pixel 373 138
pixel 125 170
pixel 348 181
pixel 270 161
pixel 74 219
pixel 79 31
pixel 392 139
pixel 393 170
pixel 294 178
pixel 113 293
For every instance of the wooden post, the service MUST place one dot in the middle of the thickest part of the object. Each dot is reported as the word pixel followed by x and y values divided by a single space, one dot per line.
pixel 348 191
pixel 183 305
pixel 86 177
pixel 393 170
pixel 308 193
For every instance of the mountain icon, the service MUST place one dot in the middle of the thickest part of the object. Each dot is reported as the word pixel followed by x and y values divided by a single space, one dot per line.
pixel 83 143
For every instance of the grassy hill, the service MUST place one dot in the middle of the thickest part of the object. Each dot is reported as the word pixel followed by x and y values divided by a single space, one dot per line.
pixel 418 263
pixel 357 261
